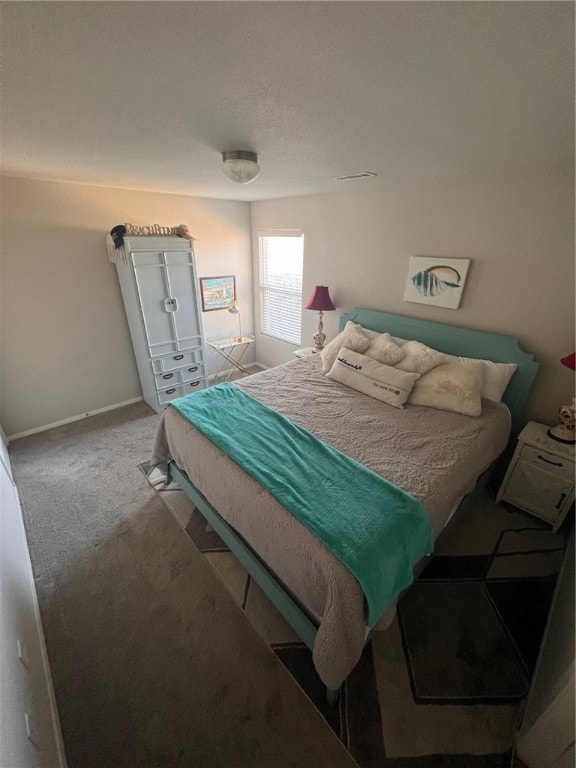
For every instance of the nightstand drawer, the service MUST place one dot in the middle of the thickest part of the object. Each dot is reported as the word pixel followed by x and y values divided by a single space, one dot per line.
pixel 548 461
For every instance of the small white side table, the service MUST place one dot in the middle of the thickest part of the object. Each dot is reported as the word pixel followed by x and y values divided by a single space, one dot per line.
pixel 232 350
pixel 305 352
pixel 540 477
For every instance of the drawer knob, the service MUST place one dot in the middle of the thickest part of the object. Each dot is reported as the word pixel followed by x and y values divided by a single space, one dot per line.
pixel 194 383
pixel 171 391
pixel 167 375
pixel 193 370
pixel 554 463
pixel 178 357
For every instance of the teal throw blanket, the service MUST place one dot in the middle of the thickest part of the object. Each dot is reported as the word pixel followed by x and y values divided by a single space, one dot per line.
pixel 375 528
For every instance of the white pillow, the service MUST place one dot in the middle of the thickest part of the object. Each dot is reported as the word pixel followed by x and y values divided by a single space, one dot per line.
pixel 451 386
pixel 366 331
pixel 495 377
pixel 383 349
pixel 367 375
pixel 418 358
pixel 351 338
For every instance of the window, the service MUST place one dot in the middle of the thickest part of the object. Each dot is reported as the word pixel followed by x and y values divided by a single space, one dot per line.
pixel 281 261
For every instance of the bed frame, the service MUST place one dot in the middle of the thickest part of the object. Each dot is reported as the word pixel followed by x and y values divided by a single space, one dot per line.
pixel 446 338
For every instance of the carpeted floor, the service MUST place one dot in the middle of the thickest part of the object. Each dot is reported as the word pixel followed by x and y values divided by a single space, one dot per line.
pixel 154 664
pixel 442 687
pixel 157 663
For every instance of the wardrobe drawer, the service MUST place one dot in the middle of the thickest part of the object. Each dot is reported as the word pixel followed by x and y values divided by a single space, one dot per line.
pixel 170 379
pixel 179 360
pixel 194 386
pixel 167 395
pixel 179 376
pixel 193 372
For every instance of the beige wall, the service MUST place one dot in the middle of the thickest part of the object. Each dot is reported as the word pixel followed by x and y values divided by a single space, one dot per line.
pixel 65 347
pixel 519 234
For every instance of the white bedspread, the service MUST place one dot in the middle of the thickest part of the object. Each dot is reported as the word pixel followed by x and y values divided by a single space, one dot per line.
pixel 434 455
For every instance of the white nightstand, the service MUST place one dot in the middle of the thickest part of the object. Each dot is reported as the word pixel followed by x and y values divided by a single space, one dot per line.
pixel 540 478
pixel 306 352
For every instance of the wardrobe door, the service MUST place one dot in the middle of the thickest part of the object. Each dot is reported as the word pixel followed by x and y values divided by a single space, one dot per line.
pixel 154 298
pixel 181 283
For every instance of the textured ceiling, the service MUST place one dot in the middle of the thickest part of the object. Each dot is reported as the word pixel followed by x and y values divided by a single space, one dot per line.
pixel 146 95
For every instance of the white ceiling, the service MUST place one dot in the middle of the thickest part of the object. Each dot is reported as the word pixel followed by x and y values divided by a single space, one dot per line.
pixel 145 95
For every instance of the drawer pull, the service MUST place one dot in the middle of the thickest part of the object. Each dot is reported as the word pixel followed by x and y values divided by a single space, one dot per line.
pixel 167 375
pixel 171 391
pixel 560 500
pixel 194 383
pixel 178 357
pixel 193 370
pixel 554 463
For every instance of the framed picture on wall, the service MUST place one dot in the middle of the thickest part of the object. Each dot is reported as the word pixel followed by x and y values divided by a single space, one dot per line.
pixel 436 281
pixel 217 292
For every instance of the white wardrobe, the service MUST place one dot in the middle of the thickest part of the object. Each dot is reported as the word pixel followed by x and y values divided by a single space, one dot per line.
pixel 159 286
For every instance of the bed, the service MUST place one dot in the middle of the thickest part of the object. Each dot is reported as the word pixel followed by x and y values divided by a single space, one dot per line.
pixel 435 456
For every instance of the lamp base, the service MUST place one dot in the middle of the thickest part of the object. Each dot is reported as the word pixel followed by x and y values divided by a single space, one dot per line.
pixel 319 338
pixel 564 430
pixel 562 434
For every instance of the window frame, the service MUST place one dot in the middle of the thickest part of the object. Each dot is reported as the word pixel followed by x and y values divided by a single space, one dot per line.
pixel 281 294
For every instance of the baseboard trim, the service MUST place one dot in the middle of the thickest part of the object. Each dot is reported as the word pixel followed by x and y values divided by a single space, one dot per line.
pixel 73 418
pixel 231 371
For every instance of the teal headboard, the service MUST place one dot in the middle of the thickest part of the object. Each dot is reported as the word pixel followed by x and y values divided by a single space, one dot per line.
pixel 464 342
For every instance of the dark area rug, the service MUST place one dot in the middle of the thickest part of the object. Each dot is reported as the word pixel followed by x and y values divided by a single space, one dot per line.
pixel 457 649
pixel 472 626
pixel 523 606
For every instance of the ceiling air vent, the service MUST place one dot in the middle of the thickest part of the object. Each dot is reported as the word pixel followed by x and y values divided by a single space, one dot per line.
pixel 365 175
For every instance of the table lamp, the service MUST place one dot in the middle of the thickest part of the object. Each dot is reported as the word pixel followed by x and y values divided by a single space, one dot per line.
pixel 234 309
pixel 564 430
pixel 321 302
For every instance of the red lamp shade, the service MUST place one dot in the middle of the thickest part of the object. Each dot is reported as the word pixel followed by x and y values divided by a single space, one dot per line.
pixel 320 300
pixel 569 361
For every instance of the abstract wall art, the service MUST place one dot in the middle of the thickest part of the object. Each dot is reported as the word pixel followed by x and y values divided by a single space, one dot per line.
pixel 436 281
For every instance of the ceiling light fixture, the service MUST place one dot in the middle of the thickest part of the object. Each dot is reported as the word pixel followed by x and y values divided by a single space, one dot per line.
pixel 240 166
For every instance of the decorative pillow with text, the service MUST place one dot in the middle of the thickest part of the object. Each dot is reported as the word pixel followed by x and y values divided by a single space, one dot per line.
pixel 364 374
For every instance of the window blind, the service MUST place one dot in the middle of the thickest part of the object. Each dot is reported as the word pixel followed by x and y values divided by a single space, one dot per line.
pixel 281 262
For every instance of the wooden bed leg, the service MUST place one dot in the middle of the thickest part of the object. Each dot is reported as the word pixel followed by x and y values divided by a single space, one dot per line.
pixel 332 696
